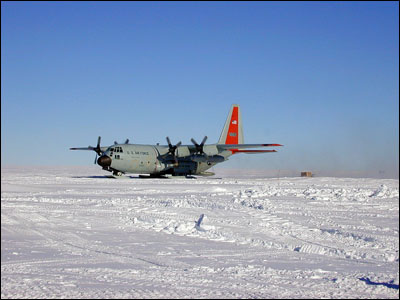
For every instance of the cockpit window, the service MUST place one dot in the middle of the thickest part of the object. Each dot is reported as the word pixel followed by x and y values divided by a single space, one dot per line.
pixel 116 149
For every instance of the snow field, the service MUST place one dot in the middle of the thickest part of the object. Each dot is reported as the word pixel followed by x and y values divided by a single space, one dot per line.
pixel 75 233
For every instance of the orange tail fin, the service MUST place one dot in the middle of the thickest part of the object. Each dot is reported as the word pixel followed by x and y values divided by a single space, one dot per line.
pixel 233 131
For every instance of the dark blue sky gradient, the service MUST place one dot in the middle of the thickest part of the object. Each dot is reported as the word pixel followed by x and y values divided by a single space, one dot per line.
pixel 320 78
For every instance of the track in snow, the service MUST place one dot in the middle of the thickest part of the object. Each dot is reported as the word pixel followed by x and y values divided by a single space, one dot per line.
pixel 73 232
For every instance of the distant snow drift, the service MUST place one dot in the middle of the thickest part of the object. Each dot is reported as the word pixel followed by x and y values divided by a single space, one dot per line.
pixel 74 233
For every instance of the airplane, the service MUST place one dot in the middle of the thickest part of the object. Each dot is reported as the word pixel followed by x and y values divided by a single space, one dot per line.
pixel 177 160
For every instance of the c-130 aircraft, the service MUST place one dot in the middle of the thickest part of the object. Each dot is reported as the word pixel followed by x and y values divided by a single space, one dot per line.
pixel 177 160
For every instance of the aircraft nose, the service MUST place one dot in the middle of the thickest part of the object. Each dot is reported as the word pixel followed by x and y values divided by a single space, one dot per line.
pixel 104 161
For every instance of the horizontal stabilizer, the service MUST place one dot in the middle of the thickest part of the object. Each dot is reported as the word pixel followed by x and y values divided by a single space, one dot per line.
pixel 245 146
pixel 251 151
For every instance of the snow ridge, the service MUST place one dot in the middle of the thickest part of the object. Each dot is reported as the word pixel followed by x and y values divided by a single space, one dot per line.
pixel 75 233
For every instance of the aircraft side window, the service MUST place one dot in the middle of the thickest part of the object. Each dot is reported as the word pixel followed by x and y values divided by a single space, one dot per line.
pixel 121 150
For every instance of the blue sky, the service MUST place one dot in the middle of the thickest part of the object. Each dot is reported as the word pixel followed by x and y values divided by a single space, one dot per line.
pixel 320 78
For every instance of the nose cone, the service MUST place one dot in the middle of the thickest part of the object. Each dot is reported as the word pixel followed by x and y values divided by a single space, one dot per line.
pixel 104 161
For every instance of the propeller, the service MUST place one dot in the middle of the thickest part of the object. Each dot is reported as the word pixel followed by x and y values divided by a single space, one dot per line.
pixel 97 149
pixel 172 149
pixel 199 148
pixel 126 142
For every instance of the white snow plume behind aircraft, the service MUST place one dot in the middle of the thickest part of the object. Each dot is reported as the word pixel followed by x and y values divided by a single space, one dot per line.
pixel 177 160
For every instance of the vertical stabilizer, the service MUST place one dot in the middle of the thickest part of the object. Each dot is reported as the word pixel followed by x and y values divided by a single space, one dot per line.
pixel 233 130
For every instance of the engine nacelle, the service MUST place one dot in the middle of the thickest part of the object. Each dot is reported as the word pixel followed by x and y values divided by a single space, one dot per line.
pixel 210 150
pixel 198 158
pixel 216 158
pixel 203 158
pixel 182 151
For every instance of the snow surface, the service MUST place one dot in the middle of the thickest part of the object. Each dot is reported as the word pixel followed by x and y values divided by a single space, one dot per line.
pixel 72 232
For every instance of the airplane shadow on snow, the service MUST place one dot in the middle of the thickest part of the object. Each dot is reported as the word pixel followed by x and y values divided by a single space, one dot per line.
pixel 126 177
pixel 106 177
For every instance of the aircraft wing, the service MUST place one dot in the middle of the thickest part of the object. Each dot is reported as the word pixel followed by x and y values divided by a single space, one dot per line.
pixel 103 149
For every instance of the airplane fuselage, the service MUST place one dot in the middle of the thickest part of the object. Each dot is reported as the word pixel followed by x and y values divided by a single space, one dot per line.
pixel 144 159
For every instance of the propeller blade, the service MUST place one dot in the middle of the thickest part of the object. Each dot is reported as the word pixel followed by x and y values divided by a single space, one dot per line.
pixel 199 148
pixel 169 142
pixel 172 150
pixel 95 159
pixel 98 149
pixel 203 141
pixel 194 142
